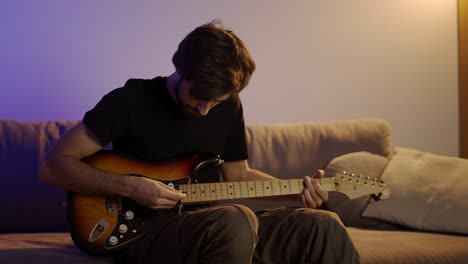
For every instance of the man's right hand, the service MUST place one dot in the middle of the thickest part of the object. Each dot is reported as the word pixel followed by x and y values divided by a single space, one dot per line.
pixel 63 167
pixel 154 194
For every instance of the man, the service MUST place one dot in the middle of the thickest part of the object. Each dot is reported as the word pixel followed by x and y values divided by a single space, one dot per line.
pixel 195 109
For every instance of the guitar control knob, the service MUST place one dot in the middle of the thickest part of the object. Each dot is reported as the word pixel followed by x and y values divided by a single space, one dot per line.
pixel 129 215
pixel 113 240
pixel 123 228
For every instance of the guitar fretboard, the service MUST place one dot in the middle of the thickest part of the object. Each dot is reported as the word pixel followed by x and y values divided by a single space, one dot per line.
pixel 206 192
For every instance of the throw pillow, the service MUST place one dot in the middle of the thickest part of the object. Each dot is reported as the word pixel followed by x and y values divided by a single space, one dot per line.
pixel 428 192
pixel 350 210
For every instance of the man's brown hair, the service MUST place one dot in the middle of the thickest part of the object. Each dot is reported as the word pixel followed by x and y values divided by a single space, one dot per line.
pixel 215 60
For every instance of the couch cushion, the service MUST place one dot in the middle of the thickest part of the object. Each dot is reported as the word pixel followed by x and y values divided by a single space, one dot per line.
pixel 28 204
pixel 403 247
pixel 429 192
pixel 44 248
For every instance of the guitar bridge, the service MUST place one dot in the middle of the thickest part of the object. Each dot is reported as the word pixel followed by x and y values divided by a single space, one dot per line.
pixel 114 204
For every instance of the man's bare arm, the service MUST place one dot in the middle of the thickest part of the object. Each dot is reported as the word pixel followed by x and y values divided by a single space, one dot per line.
pixel 63 167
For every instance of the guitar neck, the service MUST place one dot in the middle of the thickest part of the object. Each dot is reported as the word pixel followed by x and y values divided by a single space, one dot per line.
pixel 206 192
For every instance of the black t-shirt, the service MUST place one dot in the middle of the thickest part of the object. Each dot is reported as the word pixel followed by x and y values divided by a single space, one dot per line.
pixel 142 120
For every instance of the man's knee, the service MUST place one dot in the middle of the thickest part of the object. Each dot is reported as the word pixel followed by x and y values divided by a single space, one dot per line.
pixel 313 218
pixel 238 218
pixel 236 231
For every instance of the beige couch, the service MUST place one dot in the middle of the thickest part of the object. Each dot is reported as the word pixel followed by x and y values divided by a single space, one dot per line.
pixel 33 226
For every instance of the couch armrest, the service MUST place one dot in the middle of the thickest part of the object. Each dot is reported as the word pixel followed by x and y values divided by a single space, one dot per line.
pixel 28 204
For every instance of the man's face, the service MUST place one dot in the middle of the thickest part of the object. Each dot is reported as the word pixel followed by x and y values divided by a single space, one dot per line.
pixel 192 107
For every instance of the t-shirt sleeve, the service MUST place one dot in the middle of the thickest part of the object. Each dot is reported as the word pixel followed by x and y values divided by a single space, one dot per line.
pixel 235 147
pixel 109 119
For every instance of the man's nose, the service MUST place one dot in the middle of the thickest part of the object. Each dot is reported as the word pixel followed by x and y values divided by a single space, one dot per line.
pixel 203 108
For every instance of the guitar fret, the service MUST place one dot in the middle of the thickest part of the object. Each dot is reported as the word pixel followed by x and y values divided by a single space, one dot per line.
pixel 267 188
pixel 202 191
pixel 275 187
pixel 296 188
pixel 194 192
pixel 258 188
pixel 230 190
pixel 197 192
pixel 214 191
pixel 221 192
pixel 251 189
pixel 225 191
pixel 283 187
pixel 237 190
pixel 213 195
pixel 243 190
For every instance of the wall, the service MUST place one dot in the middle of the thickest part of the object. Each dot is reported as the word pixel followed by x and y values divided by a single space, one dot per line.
pixel 317 60
pixel 463 76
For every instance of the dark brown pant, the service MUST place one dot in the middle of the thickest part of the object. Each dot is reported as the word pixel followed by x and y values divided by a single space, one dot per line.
pixel 234 234
pixel 303 235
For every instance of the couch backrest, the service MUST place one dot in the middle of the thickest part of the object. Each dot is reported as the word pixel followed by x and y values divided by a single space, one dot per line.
pixel 296 150
pixel 284 150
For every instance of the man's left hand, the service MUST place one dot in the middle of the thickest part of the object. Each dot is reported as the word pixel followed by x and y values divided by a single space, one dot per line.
pixel 313 194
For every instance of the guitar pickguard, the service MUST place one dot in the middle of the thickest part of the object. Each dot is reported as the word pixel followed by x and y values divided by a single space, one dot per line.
pixel 130 225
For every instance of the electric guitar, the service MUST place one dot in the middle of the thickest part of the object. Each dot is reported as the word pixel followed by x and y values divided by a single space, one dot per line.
pixel 101 225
